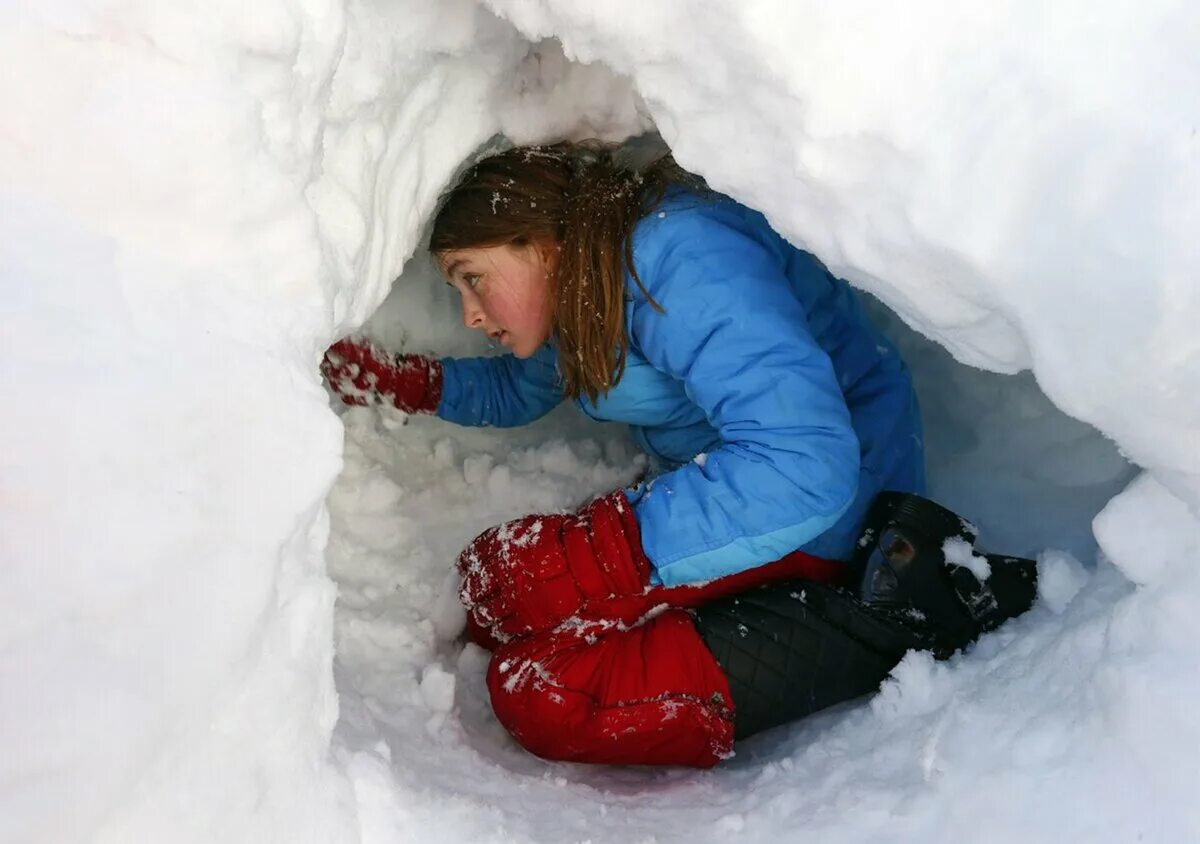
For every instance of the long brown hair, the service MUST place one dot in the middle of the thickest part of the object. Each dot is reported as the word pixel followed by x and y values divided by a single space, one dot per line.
pixel 581 198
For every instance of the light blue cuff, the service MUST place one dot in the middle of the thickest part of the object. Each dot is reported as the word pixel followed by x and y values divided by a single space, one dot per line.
pixel 744 553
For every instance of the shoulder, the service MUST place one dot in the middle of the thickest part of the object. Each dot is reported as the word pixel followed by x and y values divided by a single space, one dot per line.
pixel 699 237
pixel 681 214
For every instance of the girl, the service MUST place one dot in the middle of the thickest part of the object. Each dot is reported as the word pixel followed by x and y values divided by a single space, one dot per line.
pixel 775 410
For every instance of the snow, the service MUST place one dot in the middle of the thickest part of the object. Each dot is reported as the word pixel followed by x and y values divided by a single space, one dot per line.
pixel 959 552
pixel 1060 577
pixel 198 199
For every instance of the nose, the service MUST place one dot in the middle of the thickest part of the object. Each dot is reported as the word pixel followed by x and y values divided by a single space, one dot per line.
pixel 472 313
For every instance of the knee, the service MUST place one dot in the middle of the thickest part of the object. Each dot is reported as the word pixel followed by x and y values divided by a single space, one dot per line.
pixel 536 711
pixel 650 695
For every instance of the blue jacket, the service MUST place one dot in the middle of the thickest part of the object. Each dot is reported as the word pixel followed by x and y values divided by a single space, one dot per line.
pixel 778 409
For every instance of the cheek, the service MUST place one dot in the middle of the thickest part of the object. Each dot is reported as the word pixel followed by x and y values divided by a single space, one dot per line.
pixel 499 306
pixel 521 305
pixel 538 302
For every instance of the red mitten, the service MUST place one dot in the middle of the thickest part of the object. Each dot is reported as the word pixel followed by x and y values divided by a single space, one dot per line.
pixel 528 575
pixel 361 374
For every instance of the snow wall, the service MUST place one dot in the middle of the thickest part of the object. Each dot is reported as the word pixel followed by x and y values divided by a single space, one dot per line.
pixel 198 198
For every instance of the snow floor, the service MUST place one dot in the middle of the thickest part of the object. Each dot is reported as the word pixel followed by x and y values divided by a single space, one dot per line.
pixel 942 745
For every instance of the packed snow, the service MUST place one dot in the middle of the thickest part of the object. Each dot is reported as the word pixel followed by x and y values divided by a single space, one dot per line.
pixel 229 616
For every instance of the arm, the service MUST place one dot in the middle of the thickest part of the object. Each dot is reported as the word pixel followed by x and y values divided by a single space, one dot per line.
pixel 738 339
pixel 503 391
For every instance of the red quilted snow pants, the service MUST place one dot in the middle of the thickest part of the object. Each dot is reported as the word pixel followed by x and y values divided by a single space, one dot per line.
pixel 631 684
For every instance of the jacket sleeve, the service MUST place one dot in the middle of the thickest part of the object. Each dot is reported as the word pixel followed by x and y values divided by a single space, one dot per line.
pixel 738 338
pixel 503 391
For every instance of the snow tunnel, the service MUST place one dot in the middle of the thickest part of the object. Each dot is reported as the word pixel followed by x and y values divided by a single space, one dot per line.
pixel 230 613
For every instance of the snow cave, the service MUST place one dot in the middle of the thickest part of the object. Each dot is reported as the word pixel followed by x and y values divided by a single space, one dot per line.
pixel 230 606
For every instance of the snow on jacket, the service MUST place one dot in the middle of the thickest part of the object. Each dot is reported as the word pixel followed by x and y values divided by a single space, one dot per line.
pixel 780 410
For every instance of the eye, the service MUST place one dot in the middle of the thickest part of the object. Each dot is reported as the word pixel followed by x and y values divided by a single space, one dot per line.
pixel 472 279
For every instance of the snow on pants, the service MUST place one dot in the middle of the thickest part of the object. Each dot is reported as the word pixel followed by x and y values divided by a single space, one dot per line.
pixel 631 684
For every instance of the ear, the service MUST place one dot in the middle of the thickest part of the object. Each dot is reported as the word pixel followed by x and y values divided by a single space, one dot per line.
pixel 548 252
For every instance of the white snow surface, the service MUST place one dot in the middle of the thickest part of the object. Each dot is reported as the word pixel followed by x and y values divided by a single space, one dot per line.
pixel 199 197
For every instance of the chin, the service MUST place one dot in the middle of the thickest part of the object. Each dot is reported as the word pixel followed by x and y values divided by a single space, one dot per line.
pixel 526 348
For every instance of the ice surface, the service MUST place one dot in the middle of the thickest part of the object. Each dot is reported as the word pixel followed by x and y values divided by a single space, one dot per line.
pixel 198 198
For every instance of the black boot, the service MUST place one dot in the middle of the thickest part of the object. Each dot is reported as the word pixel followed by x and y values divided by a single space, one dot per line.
pixel 791 649
pixel 902 568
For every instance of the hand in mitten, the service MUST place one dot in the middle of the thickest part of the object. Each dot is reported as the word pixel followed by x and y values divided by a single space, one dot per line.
pixel 360 373
pixel 529 575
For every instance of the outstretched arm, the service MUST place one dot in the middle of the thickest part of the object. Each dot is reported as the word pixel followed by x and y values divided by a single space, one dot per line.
pixel 503 391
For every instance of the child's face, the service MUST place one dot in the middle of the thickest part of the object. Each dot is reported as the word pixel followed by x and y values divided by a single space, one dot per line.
pixel 505 292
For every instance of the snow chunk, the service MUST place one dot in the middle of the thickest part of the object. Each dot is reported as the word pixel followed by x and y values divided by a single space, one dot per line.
pixel 1148 531
pixel 959 552
pixel 447 614
pixel 1060 577
pixel 437 688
